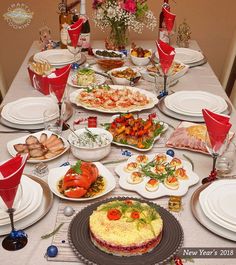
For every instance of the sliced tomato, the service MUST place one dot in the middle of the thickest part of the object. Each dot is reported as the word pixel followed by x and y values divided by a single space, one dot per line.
pixel 80 181
pixel 75 192
pixel 90 170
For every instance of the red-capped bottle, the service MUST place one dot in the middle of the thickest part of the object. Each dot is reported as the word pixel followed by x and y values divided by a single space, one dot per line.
pixel 162 28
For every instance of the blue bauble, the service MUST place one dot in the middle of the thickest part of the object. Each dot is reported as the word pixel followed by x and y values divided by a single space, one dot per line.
pixel 170 152
pixel 52 251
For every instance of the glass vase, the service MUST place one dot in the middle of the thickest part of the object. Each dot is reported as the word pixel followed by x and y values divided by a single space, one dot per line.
pixel 118 38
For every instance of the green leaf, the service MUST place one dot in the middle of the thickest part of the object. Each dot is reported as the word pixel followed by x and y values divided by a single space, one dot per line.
pixel 77 167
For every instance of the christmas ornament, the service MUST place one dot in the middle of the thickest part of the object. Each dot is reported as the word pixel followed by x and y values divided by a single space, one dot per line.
pixel 52 251
pixel 170 152
pixel 68 211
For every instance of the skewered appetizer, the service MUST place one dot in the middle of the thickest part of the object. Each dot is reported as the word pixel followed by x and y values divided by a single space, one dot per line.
pixel 125 228
pixel 81 180
pixel 45 147
pixel 136 132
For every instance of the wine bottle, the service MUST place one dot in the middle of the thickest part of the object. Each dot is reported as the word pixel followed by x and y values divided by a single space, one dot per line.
pixel 85 31
pixel 162 28
pixel 65 21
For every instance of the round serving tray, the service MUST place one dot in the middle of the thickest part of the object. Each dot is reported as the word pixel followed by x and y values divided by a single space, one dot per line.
pixel 162 107
pixel 79 239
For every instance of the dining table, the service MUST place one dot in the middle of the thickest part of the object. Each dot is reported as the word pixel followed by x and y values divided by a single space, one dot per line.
pixel 196 236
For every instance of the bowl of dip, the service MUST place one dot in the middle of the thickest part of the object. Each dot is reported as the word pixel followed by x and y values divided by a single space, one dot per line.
pixel 90 144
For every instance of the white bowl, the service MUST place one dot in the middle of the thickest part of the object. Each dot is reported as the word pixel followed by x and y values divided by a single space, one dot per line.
pixel 87 153
pixel 121 80
pixel 140 61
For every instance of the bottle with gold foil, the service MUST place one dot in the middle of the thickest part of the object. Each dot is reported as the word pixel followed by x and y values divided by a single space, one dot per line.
pixel 64 20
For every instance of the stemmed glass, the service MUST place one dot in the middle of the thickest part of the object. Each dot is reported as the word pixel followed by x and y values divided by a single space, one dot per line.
pixel 74 48
pixel 166 57
pixel 215 148
pixel 169 19
pixel 9 201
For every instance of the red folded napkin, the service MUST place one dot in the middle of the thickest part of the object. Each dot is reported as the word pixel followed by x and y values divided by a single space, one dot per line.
pixel 218 127
pixel 166 55
pixel 169 19
pixel 57 81
pixel 10 176
pixel 74 31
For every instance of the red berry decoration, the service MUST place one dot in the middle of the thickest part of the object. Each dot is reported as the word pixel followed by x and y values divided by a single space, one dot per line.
pixel 135 215
pixel 178 260
pixel 128 202
pixel 114 214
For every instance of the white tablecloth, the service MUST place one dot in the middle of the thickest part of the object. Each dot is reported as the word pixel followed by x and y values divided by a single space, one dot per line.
pixel 198 78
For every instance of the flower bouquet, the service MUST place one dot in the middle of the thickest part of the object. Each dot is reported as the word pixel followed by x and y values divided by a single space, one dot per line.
pixel 122 16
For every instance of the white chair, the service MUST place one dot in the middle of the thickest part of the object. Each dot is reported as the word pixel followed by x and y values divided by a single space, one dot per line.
pixel 229 73
pixel 3 87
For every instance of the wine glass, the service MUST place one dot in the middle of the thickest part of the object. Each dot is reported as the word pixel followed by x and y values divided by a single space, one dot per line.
pixel 215 147
pixel 9 201
pixel 169 20
pixel 74 46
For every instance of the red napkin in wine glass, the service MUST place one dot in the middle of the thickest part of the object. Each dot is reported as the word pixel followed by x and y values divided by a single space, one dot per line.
pixel 218 127
pixel 166 55
pixel 169 19
pixel 74 31
pixel 57 81
pixel 10 176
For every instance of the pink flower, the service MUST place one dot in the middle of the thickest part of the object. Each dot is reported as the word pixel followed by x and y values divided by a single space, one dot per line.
pixel 130 6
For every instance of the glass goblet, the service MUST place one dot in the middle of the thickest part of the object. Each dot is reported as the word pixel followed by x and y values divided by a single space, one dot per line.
pixel 9 201
pixel 74 48
pixel 215 146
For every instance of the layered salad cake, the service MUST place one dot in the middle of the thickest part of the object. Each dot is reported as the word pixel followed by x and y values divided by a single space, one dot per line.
pixel 125 227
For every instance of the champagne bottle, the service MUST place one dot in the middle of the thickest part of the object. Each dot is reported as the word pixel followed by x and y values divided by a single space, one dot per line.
pixel 65 21
pixel 85 31
pixel 162 28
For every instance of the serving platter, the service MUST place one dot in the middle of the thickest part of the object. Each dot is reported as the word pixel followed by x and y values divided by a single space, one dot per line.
pixel 162 190
pixel 99 80
pixel 121 55
pixel 74 98
pixel 204 220
pixel 79 239
pixel 42 210
pixel 151 140
pixel 21 140
pixel 56 174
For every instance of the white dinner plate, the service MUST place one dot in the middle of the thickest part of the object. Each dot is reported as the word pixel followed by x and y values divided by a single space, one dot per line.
pixel 162 190
pixel 35 189
pixel 152 101
pixel 99 80
pixel 42 210
pixel 56 174
pixel 216 203
pixel 26 199
pixel 204 220
pixel 21 140
pixel 188 56
pixel 191 103
pixel 56 57
pixel 29 110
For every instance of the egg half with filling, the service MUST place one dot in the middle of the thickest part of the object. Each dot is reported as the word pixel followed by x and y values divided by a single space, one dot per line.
pixel 180 173
pixel 135 177
pixel 131 166
pixel 152 185
pixel 171 182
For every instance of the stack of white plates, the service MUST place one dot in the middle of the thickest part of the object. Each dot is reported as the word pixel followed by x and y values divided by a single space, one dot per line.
pixel 191 103
pixel 188 56
pixel 57 57
pixel 29 111
pixel 32 195
pixel 217 202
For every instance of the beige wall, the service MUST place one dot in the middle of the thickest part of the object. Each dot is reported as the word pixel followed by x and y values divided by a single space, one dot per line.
pixel 212 23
